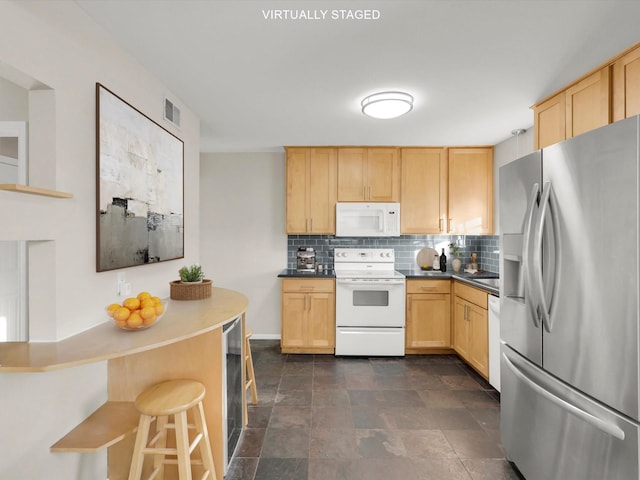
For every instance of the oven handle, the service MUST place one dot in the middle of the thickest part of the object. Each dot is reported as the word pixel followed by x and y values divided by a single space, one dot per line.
pixel 368 283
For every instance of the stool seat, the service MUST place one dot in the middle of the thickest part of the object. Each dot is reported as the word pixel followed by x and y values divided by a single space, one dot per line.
pixel 170 397
pixel 158 403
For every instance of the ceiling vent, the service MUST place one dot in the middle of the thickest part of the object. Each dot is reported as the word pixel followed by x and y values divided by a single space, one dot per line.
pixel 171 113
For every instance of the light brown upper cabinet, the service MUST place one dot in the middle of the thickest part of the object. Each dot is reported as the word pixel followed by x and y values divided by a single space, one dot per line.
pixel 368 174
pixel 626 85
pixel 423 191
pixel 606 94
pixel 470 191
pixel 311 190
pixel 587 103
pixel 549 119
pixel 577 109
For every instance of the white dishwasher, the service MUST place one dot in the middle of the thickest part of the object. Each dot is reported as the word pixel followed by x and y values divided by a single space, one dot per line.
pixel 494 341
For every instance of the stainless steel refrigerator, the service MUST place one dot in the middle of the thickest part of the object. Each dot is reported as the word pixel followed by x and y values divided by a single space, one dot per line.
pixel 569 239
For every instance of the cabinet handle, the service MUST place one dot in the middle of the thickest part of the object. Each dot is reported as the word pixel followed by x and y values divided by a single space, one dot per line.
pixel 440 223
pixel 427 288
pixel 307 287
pixel 369 193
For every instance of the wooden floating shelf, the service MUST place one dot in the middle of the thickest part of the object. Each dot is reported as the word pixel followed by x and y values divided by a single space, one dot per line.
pixel 15 187
pixel 109 424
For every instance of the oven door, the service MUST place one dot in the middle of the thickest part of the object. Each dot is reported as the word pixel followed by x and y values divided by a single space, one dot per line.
pixel 370 302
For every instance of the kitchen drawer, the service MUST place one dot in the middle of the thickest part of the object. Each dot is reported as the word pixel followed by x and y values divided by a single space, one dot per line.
pixel 428 286
pixel 308 285
pixel 473 295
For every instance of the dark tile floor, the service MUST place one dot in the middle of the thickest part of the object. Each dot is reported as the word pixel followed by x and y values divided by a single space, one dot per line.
pixel 327 418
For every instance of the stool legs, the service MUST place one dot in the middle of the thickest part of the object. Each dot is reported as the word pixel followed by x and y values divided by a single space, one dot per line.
pixel 158 459
pixel 157 446
pixel 141 442
pixel 251 381
pixel 182 446
pixel 205 443
pixel 251 376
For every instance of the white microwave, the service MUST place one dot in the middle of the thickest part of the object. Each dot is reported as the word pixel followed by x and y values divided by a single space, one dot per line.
pixel 367 219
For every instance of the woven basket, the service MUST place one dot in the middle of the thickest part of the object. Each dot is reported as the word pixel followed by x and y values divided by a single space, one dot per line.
pixel 190 291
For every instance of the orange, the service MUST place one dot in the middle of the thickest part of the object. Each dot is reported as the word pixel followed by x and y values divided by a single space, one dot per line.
pixel 159 309
pixel 148 312
pixel 121 324
pixel 121 314
pixel 131 303
pixel 149 321
pixel 134 321
pixel 147 303
pixel 156 300
pixel 143 295
pixel 111 308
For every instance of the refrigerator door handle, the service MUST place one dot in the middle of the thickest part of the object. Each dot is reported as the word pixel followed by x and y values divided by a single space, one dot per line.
pixel 609 428
pixel 530 298
pixel 547 200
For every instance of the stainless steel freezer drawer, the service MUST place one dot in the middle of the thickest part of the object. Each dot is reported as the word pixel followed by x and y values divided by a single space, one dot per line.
pixel 551 431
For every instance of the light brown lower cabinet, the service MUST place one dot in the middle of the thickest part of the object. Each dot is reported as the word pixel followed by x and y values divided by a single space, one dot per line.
pixel 308 316
pixel 471 327
pixel 428 320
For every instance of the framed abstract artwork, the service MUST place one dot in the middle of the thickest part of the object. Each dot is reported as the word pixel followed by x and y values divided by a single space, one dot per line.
pixel 139 187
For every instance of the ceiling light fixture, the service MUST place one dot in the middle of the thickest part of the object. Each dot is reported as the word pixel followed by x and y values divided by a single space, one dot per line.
pixel 387 104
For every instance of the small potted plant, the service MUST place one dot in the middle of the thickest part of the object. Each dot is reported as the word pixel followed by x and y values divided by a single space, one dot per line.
pixel 192 274
pixel 192 284
pixel 454 250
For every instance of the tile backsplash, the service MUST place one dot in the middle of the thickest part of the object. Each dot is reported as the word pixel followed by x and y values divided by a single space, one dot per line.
pixel 406 248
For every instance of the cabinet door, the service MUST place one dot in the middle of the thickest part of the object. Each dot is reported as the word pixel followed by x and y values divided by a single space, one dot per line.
pixel 297 188
pixel 549 121
pixel 294 313
pixel 352 174
pixel 626 86
pixel 460 328
pixel 383 175
pixel 428 321
pixel 423 190
pixel 471 191
pixel 478 339
pixel 322 190
pixel 321 320
pixel 588 103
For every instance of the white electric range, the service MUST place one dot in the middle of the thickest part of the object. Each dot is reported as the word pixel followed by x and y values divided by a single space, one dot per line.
pixel 370 303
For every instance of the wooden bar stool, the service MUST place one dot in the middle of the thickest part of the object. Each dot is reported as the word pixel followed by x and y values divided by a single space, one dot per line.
pixel 159 402
pixel 251 376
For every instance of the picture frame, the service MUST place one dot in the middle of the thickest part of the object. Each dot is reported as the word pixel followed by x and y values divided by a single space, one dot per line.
pixel 139 187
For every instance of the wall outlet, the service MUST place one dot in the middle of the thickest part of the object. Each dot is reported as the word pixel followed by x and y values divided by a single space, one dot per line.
pixel 123 288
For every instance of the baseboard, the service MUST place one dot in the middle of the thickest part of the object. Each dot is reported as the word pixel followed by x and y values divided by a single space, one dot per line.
pixel 265 336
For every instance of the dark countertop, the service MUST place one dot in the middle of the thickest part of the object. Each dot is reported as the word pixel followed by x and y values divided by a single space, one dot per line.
pixel 293 273
pixel 468 278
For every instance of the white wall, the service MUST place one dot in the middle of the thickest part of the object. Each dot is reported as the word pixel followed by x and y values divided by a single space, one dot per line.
pixel 54 43
pixel 242 227
pixel 13 101
pixel 503 153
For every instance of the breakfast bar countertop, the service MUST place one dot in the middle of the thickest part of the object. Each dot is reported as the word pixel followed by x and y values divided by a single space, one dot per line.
pixel 182 320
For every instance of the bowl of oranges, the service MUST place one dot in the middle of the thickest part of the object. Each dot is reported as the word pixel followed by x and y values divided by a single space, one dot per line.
pixel 137 313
